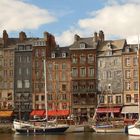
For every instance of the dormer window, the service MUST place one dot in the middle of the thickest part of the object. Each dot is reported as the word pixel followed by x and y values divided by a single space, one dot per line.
pixel 109 45
pixel 64 54
pixel 82 45
pixel 53 55
pixel 127 49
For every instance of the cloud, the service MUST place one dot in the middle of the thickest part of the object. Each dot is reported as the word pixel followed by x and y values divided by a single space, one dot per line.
pixel 119 20
pixel 67 37
pixel 115 19
pixel 18 15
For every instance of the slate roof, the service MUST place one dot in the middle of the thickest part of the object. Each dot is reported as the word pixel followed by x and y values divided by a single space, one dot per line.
pixel 88 42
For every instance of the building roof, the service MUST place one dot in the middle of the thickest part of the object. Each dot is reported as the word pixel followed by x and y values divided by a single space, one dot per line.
pixel 111 47
pixel 89 43
pixel 115 45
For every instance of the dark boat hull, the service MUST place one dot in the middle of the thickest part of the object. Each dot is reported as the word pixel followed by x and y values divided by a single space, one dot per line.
pixel 41 130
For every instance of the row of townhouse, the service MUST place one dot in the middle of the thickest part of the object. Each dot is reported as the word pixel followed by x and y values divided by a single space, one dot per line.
pixel 92 72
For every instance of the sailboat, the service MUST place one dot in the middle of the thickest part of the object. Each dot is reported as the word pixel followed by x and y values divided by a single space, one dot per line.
pixel 107 125
pixel 134 129
pixel 40 126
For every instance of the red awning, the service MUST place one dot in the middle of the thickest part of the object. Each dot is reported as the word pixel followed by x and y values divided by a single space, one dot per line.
pixel 58 113
pixel 37 113
pixel 41 113
pixel 107 110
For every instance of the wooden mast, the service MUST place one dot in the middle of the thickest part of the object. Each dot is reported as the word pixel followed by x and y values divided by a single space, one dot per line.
pixel 46 110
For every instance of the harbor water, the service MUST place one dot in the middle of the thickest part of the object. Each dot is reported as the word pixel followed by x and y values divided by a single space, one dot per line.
pixel 70 136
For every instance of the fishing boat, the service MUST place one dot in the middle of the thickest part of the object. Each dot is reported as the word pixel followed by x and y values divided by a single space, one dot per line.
pixel 134 129
pixel 39 126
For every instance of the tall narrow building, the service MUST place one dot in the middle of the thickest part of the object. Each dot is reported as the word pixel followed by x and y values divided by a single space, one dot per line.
pixel 83 82
pixel 23 77
pixel 110 76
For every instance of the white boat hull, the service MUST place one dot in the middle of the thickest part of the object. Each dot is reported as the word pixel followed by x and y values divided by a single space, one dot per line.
pixel 133 130
pixel 75 128
pixel 108 129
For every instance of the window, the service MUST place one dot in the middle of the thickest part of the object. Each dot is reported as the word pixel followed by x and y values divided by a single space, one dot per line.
pixel 135 85
pixel 19 71
pixel 110 99
pixel 27 83
pixel 135 73
pixel 108 74
pixel 91 72
pixel 27 71
pixel 63 76
pixel 101 99
pixel 63 87
pixel 82 45
pixel 135 61
pixel 37 98
pixel 63 55
pixel 82 72
pixel 28 59
pixel 127 61
pixel 118 99
pixel 21 47
pixel 42 97
pixel 74 59
pixel 74 72
pixel 128 98
pixel 56 67
pixel 90 58
pixel 53 55
pixel 19 59
pixel 75 86
pixel 19 84
pixel 135 98
pixel 11 73
pixel 63 66
pixel 115 61
pixel 127 86
pixel 127 74
pixel 82 59
pixel 11 62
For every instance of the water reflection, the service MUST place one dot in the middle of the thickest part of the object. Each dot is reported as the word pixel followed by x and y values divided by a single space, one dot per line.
pixel 69 136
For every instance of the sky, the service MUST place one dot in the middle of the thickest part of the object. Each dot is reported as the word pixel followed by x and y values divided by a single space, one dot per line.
pixel 118 19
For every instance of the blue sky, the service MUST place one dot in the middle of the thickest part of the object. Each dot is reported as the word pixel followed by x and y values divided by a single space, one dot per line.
pixel 64 18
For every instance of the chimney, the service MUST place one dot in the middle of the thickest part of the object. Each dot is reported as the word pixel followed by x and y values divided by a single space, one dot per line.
pixel 101 36
pixel 46 36
pixel 5 38
pixel 76 37
pixel 22 36
pixel 95 38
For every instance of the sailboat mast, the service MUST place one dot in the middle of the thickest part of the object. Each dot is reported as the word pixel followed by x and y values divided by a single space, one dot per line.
pixel 45 89
pixel 138 56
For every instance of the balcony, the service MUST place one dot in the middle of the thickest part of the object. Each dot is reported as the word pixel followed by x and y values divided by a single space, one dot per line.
pixel 84 91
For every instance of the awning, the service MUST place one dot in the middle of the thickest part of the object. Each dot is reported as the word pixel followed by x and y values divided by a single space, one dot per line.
pixel 37 113
pixel 129 109
pixel 58 112
pixel 42 113
pixel 107 110
pixel 6 113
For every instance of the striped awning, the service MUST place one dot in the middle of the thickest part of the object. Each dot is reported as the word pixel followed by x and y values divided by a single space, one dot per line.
pixel 107 110
pixel 129 109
